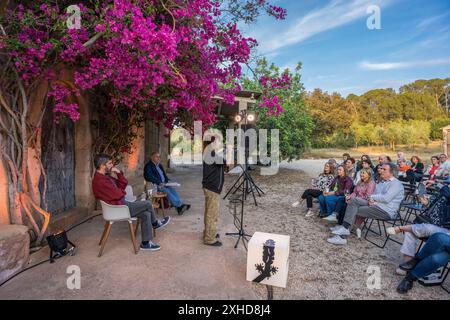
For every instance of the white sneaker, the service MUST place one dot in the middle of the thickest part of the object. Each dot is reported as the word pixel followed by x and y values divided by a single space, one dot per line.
pixel 337 240
pixel 331 218
pixel 310 213
pixel 335 228
pixel 341 231
pixel 401 272
pixel 358 233
pixel 295 204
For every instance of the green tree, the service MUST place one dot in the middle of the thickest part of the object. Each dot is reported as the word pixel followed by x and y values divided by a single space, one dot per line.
pixel 294 123
pixel 437 88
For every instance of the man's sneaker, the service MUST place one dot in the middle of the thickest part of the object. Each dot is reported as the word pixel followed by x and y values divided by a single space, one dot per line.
pixel 161 223
pixel 405 285
pixel 337 240
pixel 215 244
pixel 341 231
pixel 401 272
pixel 188 206
pixel 409 265
pixel 150 246
pixel 182 209
pixel 309 213
pixel 433 279
pixel 331 218
pixel 295 204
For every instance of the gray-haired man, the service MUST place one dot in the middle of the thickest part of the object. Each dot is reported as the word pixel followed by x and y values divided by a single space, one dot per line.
pixel 382 204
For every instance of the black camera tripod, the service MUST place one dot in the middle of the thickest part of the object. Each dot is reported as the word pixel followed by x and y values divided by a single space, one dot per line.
pixel 246 185
pixel 239 221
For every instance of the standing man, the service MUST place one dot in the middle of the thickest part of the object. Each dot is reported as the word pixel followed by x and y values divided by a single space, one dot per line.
pixel 154 172
pixel 112 191
pixel 213 178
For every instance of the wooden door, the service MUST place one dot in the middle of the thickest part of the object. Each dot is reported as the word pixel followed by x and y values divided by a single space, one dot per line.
pixel 58 159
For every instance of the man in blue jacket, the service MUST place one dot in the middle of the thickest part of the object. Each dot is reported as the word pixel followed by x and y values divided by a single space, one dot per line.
pixel 154 173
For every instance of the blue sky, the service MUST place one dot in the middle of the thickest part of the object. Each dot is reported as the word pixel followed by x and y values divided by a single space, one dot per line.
pixel 341 54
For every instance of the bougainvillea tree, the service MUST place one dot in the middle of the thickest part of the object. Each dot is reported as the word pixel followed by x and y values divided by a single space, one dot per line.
pixel 157 59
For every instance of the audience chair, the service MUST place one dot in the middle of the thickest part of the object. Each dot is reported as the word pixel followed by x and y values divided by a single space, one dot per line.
pixel 381 223
pixel 116 213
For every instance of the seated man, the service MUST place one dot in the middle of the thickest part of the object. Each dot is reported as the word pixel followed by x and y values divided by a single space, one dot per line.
pixel 112 191
pixel 154 173
pixel 382 204
pixel 434 254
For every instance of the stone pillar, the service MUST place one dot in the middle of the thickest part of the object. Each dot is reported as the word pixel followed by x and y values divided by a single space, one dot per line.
pixel 4 195
pixel 164 134
pixel 84 167
pixel 14 249
pixel 133 164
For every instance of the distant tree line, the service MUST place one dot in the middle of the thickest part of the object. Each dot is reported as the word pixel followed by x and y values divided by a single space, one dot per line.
pixel 414 115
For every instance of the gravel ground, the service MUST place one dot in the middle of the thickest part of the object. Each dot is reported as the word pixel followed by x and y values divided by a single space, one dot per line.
pixel 319 270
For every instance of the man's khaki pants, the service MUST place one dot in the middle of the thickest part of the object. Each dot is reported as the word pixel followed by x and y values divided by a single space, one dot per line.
pixel 212 203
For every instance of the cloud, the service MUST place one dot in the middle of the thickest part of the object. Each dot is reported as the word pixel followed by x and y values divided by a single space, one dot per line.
pixel 430 21
pixel 335 14
pixel 366 65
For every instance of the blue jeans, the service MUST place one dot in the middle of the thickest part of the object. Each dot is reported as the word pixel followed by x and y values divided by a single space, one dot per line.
pixel 172 195
pixel 341 205
pixel 328 204
pixel 434 254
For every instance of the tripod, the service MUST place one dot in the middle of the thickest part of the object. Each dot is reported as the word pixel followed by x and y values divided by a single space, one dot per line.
pixel 246 184
pixel 239 222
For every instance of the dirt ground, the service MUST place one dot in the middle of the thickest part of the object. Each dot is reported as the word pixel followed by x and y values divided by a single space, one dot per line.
pixel 317 269
pixel 183 269
pixel 186 269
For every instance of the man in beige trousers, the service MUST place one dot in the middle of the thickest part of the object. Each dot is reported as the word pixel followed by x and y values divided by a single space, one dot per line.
pixel 213 178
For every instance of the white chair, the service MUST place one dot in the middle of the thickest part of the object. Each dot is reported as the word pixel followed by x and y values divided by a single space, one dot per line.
pixel 116 213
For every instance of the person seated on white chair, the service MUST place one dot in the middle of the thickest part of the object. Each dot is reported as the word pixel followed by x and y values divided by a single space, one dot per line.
pixel 112 191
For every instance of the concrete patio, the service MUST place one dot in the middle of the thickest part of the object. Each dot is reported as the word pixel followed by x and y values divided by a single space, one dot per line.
pixel 183 269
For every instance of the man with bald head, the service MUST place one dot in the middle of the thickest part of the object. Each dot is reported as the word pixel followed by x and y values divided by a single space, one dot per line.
pixel 154 173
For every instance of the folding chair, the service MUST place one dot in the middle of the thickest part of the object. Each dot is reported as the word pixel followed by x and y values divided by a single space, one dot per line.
pixel 382 222
pixel 446 289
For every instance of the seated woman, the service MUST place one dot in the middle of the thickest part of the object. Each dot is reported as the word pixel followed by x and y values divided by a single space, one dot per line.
pixel 364 157
pixel 434 254
pixel 334 163
pixel 365 164
pixel 319 185
pixel 345 157
pixel 351 170
pixel 364 189
pixel 431 170
pixel 415 174
pixel 402 168
pixel 430 174
pixel 340 186
pixel 377 174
